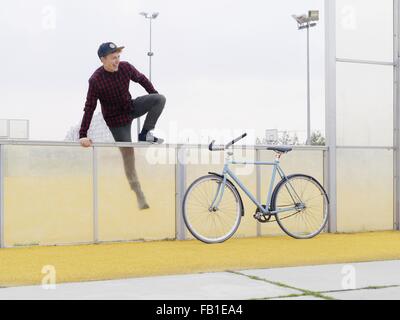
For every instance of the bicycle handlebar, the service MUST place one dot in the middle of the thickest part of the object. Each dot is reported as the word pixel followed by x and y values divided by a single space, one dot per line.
pixel 236 140
pixel 212 148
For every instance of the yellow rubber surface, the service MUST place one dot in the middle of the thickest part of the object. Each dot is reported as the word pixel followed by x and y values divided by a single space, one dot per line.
pixel 23 266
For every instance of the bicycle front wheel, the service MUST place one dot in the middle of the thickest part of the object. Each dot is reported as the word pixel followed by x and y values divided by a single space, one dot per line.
pixel 204 223
pixel 307 202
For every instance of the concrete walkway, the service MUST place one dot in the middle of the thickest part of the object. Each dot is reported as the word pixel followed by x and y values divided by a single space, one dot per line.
pixel 365 281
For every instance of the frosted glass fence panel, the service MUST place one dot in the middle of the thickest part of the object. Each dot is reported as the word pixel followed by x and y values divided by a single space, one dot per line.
pixel 364 29
pixel 19 129
pixel 48 190
pixel 119 214
pixel 364 105
pixel 364 190
pixel 200 161
pixel 3 128
pixel 47 195
pixel 310 162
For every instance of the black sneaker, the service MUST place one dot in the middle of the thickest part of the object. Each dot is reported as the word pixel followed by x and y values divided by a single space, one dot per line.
pixel 149 138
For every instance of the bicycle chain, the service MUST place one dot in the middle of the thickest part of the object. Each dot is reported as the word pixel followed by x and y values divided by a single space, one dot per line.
pixel 263 218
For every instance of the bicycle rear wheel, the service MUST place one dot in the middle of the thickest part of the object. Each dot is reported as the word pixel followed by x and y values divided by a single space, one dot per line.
pixel 205 224
pixel 310 202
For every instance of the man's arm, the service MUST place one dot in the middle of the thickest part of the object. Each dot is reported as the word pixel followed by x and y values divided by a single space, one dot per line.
pixel 140 78
pixel 90 106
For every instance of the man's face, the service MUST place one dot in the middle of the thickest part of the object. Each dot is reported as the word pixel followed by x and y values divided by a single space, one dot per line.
pixel 111 61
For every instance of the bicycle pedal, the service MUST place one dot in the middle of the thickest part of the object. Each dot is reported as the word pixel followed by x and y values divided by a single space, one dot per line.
pixel 261 217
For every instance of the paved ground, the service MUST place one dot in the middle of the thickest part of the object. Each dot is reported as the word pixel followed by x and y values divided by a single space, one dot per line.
pixel 365 281
pixel 112 261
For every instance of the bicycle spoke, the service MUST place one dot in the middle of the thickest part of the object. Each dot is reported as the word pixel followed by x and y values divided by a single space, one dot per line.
pixel 199 200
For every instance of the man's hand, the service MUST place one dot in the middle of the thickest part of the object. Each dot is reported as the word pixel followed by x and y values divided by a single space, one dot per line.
pixel 86 142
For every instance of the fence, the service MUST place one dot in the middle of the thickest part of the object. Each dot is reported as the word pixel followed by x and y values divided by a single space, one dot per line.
pixel 60 193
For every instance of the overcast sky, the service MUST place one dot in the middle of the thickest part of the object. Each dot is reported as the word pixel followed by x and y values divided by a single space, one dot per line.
pixel 221 64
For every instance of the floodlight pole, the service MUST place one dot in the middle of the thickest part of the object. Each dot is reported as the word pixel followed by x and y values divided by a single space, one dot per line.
pixel 307 25
pixel 150 54
pixel 308 141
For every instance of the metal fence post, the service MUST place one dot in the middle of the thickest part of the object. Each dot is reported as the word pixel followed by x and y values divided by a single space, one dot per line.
pixel 396 117
pixel 325 177
pixel 258 187
pixel 180 188
pixel 95 196
pixel 2 157
pixel 330 108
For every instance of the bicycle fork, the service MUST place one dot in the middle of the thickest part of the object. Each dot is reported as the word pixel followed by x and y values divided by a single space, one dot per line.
pixel 218 196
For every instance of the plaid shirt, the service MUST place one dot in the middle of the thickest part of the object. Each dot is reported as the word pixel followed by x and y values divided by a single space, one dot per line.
pixel 112 89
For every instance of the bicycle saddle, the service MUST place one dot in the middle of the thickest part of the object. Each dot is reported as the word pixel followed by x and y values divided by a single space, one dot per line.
pixel 280 149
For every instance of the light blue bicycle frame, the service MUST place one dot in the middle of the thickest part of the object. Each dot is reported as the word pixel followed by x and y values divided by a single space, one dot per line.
pixel 266 211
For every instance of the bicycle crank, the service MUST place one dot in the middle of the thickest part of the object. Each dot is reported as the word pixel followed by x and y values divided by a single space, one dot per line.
pixel 261 217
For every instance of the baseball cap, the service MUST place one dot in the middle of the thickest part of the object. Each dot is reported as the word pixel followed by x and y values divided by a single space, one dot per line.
pixel 107 48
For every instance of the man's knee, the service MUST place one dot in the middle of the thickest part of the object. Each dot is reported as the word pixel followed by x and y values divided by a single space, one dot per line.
pixel 160 98
pixel 163 98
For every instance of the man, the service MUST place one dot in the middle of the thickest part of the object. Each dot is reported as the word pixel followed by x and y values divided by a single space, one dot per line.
pixel 110 84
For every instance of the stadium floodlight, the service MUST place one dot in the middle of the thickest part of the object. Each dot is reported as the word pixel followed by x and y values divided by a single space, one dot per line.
pixel 300 19
pixel 307 20
pixel 149 16
pixel 313 15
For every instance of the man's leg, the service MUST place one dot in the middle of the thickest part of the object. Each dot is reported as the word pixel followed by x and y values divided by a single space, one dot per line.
pixel 153 105
pixel 123 134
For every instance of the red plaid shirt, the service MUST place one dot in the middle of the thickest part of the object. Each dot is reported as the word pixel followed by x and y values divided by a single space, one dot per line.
pixel 112 89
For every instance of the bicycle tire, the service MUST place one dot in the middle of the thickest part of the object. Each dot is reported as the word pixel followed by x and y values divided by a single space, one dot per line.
pixel 187 216
pixel 280 217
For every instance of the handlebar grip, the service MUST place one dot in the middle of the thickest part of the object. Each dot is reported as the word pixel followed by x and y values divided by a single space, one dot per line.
pixel 211 147
pixel 236 140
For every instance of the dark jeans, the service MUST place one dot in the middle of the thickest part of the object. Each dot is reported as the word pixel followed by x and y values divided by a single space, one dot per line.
pixel 153 105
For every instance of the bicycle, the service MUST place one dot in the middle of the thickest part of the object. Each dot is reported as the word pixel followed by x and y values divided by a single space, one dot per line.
pixel 212 206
